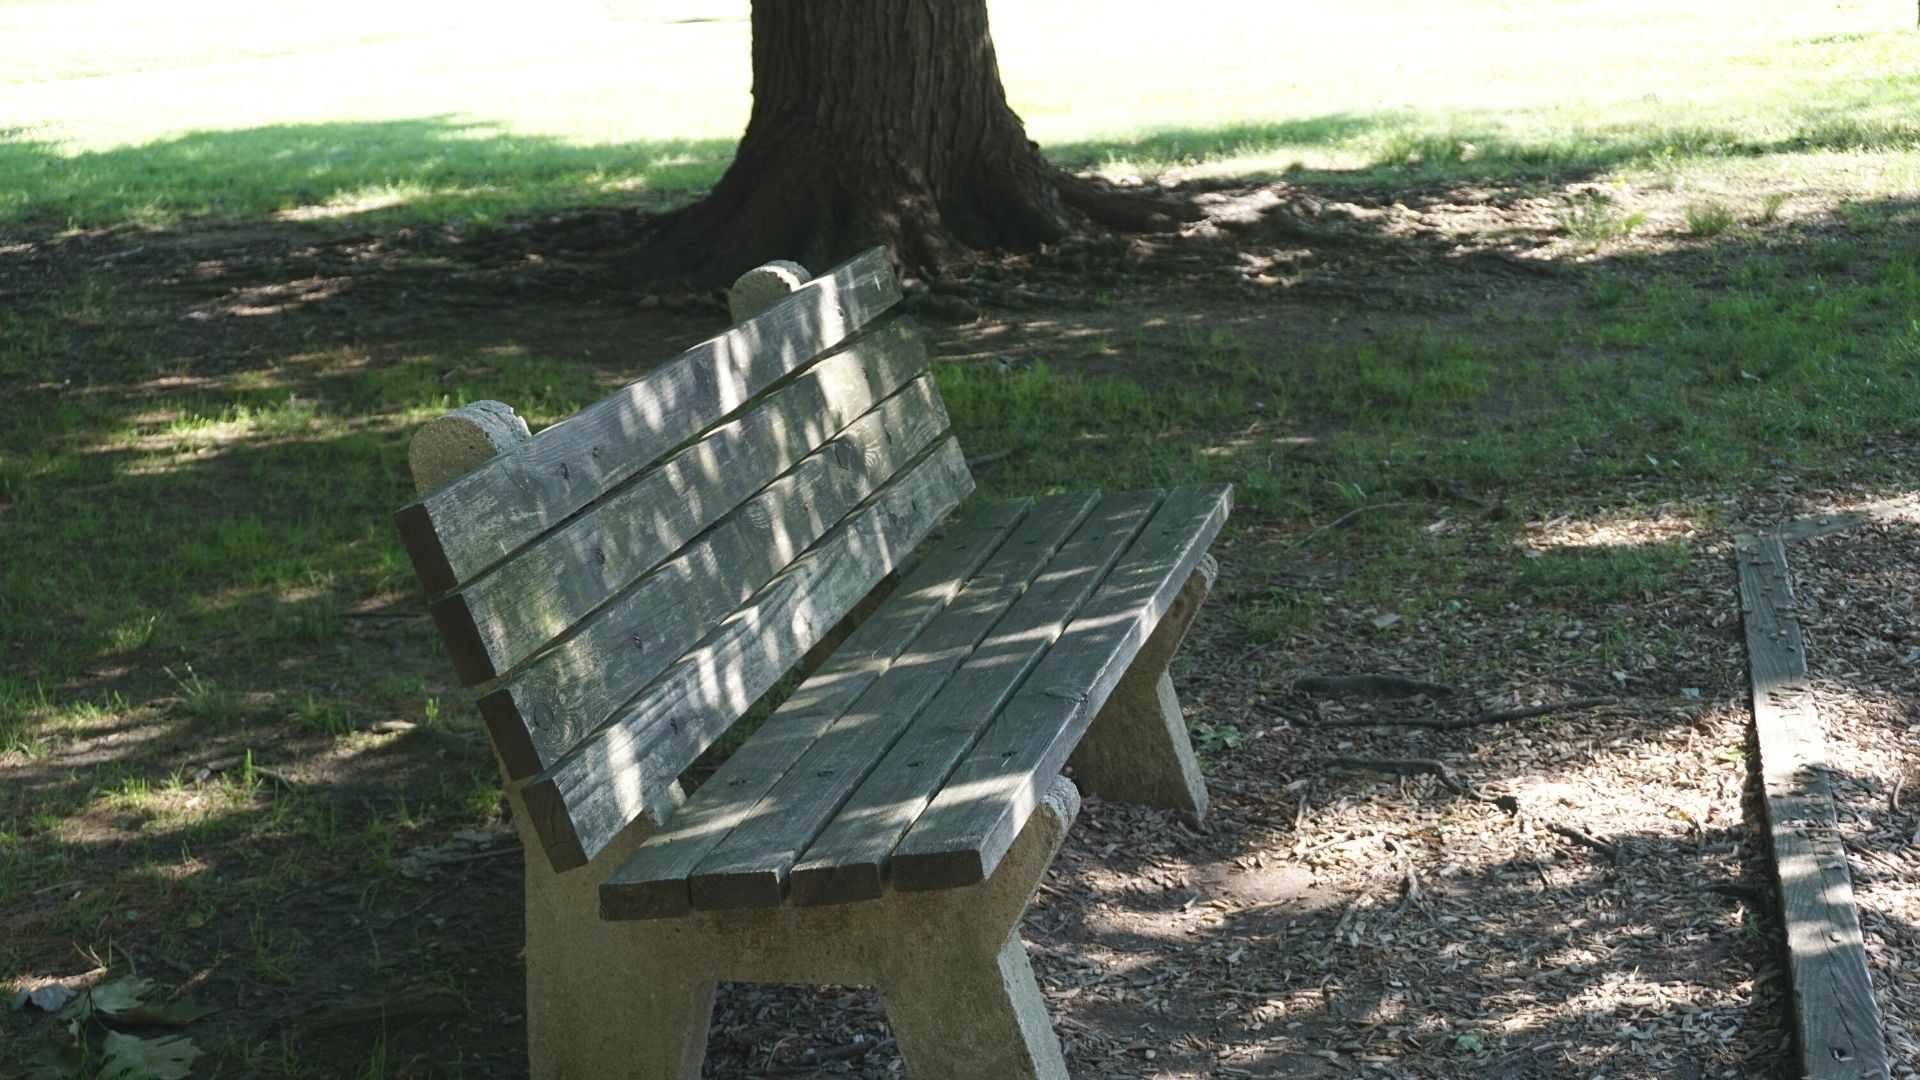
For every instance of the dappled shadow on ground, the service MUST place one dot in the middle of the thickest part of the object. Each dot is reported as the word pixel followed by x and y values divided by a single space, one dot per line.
pixel 1469 146
pixel 205 435
pixel 331 172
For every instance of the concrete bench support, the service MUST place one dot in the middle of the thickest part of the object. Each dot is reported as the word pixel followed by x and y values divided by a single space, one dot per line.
pixel 632 999
pixel 1137 749
pixel 620 589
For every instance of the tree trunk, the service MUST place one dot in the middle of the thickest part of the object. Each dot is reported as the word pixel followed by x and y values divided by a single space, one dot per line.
pixel 876 122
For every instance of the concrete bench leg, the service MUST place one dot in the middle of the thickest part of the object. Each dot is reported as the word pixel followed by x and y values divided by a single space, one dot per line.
pixel 658 1032
pixel 960 994
pixel 1137 749
pixel 976 1018
pixel 602 1000
pixel 634 999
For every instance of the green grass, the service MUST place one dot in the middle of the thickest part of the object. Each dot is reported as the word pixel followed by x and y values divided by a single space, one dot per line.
pixel 193 548
pixel 440 110
pixel 1601 575
pixel 1709 218
pixel 1593 220
pixel 267 491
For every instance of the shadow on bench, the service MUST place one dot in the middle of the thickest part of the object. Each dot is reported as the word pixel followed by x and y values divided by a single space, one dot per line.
pixel 624 586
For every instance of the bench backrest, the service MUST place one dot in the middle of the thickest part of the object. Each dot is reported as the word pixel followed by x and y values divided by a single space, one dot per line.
pixel 624 585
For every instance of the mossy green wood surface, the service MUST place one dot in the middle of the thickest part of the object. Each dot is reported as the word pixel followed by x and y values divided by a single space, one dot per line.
pixel 967 827
pixel 497 621
pixel 750 868
pixel 460 529
pixel 613 654
pixel 653 883
pixel 903 772
pixel 626 768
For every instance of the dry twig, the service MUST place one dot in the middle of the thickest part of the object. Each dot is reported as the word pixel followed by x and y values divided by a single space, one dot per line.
pixel 1404 767
pixel 1369 686
pixel 1585 839
pixel 1346 517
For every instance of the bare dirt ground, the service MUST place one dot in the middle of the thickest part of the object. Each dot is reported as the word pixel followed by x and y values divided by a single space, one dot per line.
pixel 1574 893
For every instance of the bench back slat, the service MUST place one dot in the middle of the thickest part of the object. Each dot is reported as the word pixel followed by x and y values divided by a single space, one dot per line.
pixel 500 619
pixel 458 530
pixel 625 768
pixel 613 654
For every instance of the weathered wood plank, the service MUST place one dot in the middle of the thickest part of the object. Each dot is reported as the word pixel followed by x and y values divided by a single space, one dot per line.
pixel 965 831
pixel 1001 616
pixel 569 689
pixel 502 617
pixel 623 770
pixel 454 532
pixel 653 882
pixel 1836 1020
pixel 847 861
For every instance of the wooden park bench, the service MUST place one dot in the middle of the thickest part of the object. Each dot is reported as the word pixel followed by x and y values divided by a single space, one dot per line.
pixel 623 587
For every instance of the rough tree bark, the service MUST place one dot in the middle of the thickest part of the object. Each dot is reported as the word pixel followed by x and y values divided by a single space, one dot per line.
pixel 880 121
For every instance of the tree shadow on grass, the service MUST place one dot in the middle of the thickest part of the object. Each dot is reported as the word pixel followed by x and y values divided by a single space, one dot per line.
pixel 439 167
pixel 189 494
pixel 425 167
pixel 1410 146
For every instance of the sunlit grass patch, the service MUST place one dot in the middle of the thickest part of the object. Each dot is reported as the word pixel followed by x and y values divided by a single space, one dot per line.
pixel 1709 218
pixel 31 717
pixel 1602 574
pixel 348 113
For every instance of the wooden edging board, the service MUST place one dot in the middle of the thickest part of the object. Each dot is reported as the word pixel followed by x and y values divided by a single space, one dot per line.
pixel 1836 1021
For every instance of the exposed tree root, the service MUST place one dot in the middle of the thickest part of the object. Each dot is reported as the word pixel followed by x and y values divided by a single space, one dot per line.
pixel 1369 686
pixel 1404 767
pixel 1440 723
pixel 818 214
pixel 1585 839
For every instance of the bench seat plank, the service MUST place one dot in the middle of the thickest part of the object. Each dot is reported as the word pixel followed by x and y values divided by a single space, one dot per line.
pixel 626 768
pixel 652 883
pixel 569 689
pixel 505 615
pixel 465 526
pixel 749 869
pixel 847 861
pixel 966 830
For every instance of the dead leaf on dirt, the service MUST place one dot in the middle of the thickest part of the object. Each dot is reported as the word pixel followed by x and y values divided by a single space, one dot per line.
pixel 169 1057
pixel 49 998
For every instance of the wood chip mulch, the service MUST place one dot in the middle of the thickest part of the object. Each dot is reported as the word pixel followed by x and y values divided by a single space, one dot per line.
pixel 1577 892
pixel 1858 593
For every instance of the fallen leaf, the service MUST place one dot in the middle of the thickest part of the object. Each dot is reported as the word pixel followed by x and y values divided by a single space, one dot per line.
pixel 49 998
pixel 121 995
pixel 169 1057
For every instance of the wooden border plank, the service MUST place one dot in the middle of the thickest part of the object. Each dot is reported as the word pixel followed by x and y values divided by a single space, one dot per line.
pixel 1836 1020
pixel 458 530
